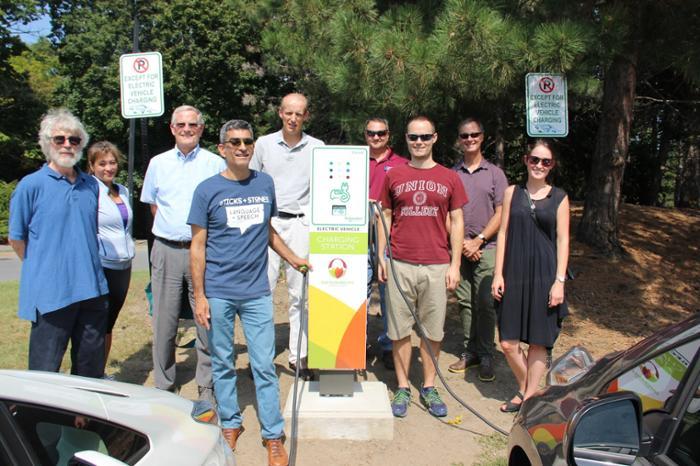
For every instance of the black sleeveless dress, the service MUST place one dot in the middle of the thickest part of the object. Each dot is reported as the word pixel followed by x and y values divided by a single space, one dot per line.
pixel 529 270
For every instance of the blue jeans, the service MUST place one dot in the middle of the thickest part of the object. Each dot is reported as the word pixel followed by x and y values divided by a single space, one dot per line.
pixel 383 339
pixel 259 328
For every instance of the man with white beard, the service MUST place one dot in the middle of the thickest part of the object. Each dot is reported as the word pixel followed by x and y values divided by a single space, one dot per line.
pixel 53 230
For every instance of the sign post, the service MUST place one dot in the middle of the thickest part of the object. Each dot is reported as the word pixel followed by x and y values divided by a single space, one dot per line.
pixel 546 105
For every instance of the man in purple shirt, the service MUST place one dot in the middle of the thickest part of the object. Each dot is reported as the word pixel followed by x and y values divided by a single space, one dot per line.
pixel 381 159
pixel 485 184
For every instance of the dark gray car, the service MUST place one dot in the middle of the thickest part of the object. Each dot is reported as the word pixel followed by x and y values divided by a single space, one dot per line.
pixel 640 406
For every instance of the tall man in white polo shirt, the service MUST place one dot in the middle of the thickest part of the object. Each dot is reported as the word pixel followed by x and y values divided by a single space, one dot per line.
pixel 168 186
pixel 286 156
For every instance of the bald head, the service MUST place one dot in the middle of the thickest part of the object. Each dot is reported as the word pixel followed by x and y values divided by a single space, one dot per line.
pixel 293 113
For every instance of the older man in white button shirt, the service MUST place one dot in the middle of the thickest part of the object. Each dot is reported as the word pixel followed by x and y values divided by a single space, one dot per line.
pixel 168 186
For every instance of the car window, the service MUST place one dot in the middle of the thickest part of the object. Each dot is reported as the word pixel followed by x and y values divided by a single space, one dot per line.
pixel 56 435
pixel 685 448
pixel 655 381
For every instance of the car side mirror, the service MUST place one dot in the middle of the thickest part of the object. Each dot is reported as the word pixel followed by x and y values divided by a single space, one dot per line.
pixel 93 458
pixel 606 430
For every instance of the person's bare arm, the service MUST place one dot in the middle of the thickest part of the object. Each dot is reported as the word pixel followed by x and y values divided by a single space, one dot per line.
pixel 382 274
pixel 498 284
pixel 456 240
pixel 556 293
pixel 280 247
pixel 18 245
pixel 198 253
pixel 154 209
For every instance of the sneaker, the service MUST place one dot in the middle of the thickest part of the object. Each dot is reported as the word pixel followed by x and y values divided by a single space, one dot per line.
pixel 465 361
pixel 430 398
pixel 486 370
pixel 399 405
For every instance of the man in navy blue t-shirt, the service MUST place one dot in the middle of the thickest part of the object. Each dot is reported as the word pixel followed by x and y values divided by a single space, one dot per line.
pixel 230 219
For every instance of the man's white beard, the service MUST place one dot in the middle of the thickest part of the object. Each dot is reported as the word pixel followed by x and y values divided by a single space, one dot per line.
pixel 64 162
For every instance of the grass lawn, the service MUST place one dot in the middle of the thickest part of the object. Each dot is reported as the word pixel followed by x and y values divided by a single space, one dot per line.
pixel 130 357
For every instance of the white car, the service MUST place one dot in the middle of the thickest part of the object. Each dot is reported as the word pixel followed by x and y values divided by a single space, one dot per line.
pixel 57 419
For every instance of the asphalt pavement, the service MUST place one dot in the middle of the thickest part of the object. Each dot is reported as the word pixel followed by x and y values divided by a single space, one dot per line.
pixel 10 265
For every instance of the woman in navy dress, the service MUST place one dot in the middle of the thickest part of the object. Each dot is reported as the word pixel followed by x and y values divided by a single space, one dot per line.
pixel 531 259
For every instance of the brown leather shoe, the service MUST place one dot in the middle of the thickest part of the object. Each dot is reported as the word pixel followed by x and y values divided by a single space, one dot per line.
pixel 465 361
pixel 276 454
pixel 231 435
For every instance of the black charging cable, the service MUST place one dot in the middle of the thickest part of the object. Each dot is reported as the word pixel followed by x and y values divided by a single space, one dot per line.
pixel 421 331
pixel 295 411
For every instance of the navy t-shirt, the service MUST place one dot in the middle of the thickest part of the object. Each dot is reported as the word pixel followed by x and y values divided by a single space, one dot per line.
pixel 236 215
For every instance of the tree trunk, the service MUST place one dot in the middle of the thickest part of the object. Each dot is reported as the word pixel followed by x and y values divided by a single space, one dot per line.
pixel 599 225
pixel 499 153
pixel 688 180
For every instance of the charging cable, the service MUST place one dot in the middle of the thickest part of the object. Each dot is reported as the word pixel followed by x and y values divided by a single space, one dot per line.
pixel 295 412
pixel 421 331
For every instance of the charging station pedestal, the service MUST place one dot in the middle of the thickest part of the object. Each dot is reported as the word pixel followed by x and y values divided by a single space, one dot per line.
pixel 337 406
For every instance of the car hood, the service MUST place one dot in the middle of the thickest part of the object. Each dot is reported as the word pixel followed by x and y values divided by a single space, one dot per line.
pixel 161 416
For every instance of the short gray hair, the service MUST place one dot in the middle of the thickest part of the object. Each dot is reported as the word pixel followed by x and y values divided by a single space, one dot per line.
pixel 378 120
pixel 187 108
pixel 234 124
pixel 60 118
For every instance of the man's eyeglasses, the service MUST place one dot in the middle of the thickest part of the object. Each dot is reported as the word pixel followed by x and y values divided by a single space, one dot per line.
pixel 546 163
pixel 72 140
pixel 422 137
pixel 371 134
pixel 469 135
pixel 184 125
pixel 235 142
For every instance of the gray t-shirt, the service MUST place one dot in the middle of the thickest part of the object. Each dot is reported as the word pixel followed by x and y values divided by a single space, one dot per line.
pixel 289 167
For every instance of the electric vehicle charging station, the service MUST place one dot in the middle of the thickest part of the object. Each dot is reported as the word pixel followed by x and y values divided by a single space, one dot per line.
pixel 337 406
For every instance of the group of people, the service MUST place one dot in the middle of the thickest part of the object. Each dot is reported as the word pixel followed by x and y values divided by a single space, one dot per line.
pixel 224 223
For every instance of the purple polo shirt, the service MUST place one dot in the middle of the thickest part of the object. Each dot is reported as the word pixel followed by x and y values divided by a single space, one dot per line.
pixel 378 171
pixel 485 187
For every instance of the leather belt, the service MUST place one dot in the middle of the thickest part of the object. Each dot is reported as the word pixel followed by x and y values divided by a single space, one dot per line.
pixel 175 244
pixel 281 214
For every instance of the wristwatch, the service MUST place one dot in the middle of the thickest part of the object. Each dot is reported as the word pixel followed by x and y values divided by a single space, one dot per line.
pixel 481 237
pixel 561 279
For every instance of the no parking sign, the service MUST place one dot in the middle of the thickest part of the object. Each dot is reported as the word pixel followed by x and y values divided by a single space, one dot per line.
pixel 546 105
pixel 141 83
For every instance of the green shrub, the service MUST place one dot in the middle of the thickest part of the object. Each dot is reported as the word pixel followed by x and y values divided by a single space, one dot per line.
pixel 5 193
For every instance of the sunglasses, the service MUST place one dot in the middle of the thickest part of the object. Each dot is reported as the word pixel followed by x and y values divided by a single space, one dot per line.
pixel 184 125
pixel 381 134
pixel 422 137
pixel 469 135
pixel 235 142
pixel 546 163
pixel 72 140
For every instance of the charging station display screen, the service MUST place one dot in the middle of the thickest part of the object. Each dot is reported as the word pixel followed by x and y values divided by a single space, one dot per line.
pixel 338 253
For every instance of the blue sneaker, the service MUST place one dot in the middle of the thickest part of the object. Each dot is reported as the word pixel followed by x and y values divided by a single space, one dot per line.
pixel 430 398
pixel 399 405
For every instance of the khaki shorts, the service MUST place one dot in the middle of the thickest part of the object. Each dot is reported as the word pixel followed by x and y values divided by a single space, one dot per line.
pixel 424 286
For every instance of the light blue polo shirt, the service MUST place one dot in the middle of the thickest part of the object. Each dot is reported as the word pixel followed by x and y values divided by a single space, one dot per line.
pixel 58 222
pixel 169 184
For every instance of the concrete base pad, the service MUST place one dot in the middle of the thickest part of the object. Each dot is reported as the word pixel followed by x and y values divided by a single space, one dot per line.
pixel 364 416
